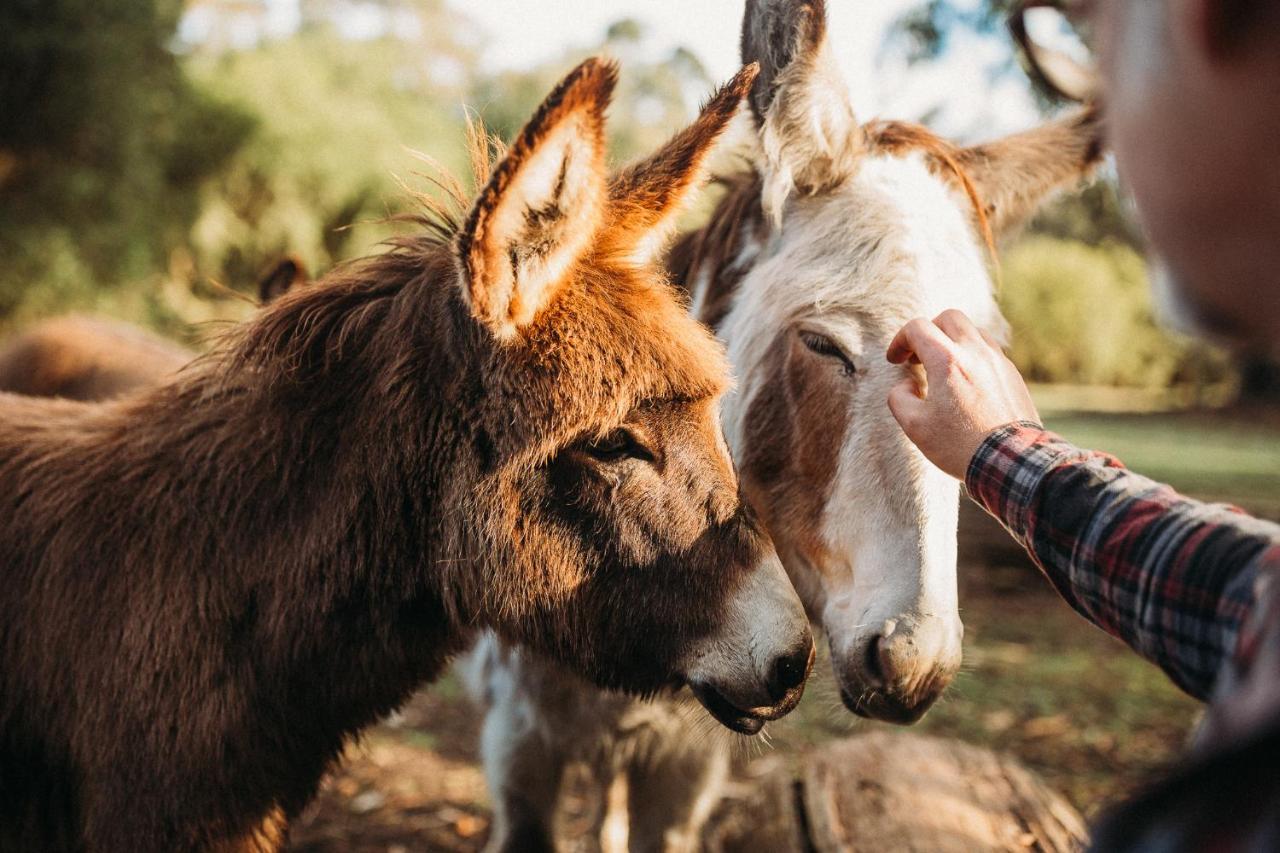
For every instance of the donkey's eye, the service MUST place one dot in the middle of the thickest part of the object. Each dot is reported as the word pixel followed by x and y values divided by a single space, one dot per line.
pixel 618 445
pixel 827 348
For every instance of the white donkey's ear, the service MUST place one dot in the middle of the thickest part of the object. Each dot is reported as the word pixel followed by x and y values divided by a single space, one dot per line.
pixel 808 133
pixel 542 207
pixel 1015 175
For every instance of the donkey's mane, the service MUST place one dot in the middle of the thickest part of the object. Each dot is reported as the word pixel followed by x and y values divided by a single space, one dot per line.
pixel 719 243
pixel 942 155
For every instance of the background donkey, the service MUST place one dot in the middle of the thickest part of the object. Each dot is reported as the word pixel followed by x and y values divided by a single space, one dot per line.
pixel 510 423
pixel 88 358
pixel 814 258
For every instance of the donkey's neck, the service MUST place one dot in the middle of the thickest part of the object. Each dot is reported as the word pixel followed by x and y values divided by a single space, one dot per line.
pixel 279 528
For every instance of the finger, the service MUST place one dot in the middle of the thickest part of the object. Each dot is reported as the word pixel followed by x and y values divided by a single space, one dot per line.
pixel 906 402
pixel 957 326
pixel 991 340
pixel 926 341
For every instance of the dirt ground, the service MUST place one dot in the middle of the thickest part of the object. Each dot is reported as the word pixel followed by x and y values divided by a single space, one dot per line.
pixel 411 784
pixel 1039 683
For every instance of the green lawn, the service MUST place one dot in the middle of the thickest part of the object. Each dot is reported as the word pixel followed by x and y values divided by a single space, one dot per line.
pixel 1216 456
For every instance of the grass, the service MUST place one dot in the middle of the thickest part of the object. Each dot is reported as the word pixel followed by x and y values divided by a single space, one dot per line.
pixel 1215 455
pixel 1202 455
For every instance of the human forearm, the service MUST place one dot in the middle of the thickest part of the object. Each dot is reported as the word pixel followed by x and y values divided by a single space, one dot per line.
pixel 1170 576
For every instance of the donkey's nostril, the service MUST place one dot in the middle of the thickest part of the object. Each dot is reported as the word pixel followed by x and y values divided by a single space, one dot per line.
pixel 790 672
pixel 873 662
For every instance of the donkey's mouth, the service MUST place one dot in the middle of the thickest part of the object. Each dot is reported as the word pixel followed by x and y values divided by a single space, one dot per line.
pixel 886 709
pixel 727 714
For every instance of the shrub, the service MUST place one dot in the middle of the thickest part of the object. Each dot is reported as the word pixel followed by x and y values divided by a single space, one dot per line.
pixel 1082 314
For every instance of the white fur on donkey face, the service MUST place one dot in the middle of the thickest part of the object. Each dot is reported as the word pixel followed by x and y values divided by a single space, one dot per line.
pixel 855 264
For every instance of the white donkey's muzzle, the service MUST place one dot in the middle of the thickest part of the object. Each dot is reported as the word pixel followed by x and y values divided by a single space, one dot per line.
pixel 896 672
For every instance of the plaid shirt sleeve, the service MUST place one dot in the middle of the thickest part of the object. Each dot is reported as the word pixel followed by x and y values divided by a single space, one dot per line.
pixel 1171 577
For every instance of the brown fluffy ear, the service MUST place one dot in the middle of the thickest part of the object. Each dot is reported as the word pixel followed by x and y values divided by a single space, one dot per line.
pixel 288 273
pixel 645 199
pixel 1013 176
pixel 542 207
pixel 808 134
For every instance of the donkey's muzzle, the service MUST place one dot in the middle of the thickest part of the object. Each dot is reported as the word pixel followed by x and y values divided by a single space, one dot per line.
pixel 785 687
pixel 899 681
pixel 752 667
pixel 888 708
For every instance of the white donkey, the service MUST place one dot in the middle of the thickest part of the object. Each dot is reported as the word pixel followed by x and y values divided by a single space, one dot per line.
pixel 837 236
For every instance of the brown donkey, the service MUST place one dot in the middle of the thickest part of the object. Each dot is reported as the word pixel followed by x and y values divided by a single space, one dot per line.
pixel 88 358
pixel 510 423
pixel 836 234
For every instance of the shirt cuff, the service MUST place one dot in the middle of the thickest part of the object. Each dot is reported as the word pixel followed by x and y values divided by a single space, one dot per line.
pixel 1005 472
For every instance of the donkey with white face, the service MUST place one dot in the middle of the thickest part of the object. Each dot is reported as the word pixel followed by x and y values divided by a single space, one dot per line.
pixel 839 234
pixel 845 233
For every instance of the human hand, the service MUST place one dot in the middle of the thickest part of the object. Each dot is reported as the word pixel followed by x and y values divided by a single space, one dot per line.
pixel 970 389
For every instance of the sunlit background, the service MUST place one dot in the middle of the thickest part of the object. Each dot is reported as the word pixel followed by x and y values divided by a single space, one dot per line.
pixel 157 155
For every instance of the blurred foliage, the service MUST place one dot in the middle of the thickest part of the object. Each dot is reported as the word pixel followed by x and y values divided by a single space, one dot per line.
pixel 103 144
pixel 1082 314
pixel 927 29
pixel 145 171
pixel 652 99
pixel 335 119
pixel 1095 215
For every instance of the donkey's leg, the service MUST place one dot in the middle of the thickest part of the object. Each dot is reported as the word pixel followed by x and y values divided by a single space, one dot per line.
pixel 523 770
pixel 673 787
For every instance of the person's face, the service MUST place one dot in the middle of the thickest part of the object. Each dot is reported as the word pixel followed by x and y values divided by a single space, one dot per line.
pixel 1192 139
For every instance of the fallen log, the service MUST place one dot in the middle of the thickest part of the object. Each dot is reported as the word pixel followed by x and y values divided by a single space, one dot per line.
pixel 891 791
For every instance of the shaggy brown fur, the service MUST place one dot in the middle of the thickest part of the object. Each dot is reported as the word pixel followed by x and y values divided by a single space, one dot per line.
pixel 208 586
pixel 86 358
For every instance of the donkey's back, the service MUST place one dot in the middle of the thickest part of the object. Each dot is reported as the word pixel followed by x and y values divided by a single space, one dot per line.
pixel 89 358
pixel 85 358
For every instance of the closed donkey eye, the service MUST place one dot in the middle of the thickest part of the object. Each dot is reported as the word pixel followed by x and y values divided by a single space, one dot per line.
pixel 827 348
pixel 619 445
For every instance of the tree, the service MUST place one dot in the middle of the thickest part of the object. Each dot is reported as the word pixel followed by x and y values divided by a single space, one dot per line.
pixel 103 141
pixel 653 98
pixel 927 29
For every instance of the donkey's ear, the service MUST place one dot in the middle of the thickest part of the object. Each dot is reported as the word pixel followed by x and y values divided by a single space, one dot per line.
pixel 542 207
pixel 288 273
pixel 808 133
pixel 1014 175
pixel 645 199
